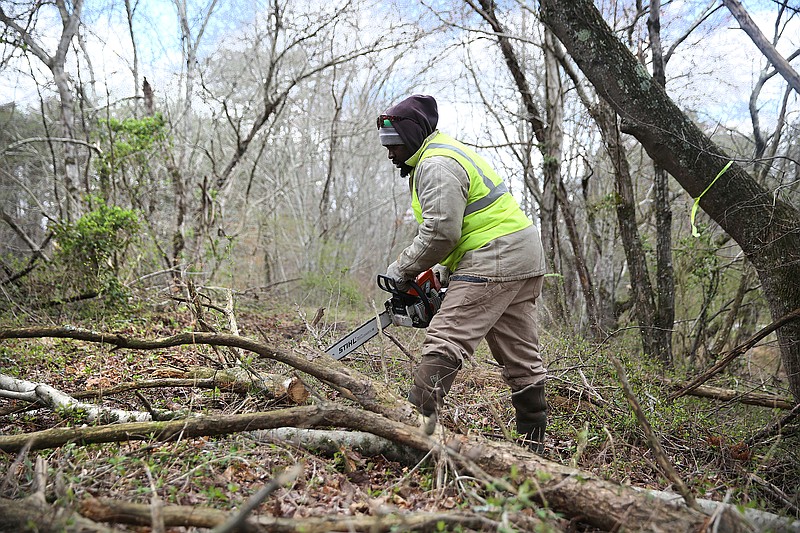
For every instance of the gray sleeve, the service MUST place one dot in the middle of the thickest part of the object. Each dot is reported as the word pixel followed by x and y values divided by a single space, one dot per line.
pixel 442 188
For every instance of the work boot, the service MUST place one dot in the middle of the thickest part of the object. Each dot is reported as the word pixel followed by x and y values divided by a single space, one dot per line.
pixel 432 381
pixel 531 408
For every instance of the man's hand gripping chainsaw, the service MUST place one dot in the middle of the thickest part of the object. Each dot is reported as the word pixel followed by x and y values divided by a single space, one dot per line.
pixel 412 308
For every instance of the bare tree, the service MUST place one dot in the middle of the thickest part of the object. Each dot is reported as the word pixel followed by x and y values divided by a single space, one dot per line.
pixel 763 224
pixel 665 281
pixel 22 28
pixel 776 59
pixel 130 11
pixel 291 155
pixel 180 163
pixel 549 136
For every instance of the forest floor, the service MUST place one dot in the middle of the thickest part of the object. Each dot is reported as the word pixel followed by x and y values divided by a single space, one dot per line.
pixel 591 426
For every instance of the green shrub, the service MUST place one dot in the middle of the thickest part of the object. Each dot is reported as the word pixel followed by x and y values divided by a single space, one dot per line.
pixel 90 251
pixel 127 140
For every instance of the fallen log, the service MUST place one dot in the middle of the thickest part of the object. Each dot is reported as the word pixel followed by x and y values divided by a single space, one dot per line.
pixel 233 379
pixel 239 379
pixel 321 415
pixel 56 400
pixel 762 521
pixel 598 502
pixel 124 512
pixel 759 399
pixel 273 386
pixel 349 382
pixel 33 514
pixel 329 442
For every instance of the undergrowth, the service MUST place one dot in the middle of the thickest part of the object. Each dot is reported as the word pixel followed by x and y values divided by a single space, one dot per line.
pixel 591 425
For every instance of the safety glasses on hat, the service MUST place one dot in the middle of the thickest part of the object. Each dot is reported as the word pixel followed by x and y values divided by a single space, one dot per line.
pixel 386 120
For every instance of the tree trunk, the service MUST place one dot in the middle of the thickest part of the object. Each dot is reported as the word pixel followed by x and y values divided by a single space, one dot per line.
pixel 642 289
pixel 554 93
pixel 763 224
pixel 56 62
pixel 549 135
pixel 584 276
pixel 665 281
pixel 551 178
pixel 644 301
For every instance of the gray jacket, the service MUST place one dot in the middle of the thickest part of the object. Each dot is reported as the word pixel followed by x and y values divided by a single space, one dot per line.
pixel 442 187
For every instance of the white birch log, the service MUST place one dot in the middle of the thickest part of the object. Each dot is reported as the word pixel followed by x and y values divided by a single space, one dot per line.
pixel 59 401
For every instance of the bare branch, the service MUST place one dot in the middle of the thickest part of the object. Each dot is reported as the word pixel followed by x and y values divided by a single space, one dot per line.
pixel 781 64
pixel 348 381
pixel 736 352
pixel 486 11
pixel 80 142
pixel 709 9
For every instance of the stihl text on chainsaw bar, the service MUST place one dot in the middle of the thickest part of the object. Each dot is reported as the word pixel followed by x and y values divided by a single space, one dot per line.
pixel 413 307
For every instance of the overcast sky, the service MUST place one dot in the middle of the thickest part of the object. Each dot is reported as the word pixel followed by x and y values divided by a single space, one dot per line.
pixel 713 71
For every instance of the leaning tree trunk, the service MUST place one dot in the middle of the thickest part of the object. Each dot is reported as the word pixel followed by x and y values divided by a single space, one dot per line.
pixel 765 226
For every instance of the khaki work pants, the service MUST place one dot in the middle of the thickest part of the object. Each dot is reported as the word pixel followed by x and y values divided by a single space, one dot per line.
pixel 504 313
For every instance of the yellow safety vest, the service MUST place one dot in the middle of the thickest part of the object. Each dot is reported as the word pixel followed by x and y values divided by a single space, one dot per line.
pixel 491 211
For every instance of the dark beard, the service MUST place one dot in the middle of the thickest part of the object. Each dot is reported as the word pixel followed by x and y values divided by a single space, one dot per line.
pixel 405 170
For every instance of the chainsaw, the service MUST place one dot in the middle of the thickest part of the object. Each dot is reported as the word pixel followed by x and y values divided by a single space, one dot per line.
pixel 413 307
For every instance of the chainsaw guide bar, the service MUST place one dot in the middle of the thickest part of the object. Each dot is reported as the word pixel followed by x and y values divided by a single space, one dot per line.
pixel 414 307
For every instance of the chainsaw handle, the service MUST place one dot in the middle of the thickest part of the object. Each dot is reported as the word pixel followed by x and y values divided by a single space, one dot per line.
pixel 388 284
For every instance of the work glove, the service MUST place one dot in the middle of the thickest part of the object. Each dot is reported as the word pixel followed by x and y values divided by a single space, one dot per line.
pixel 394 272
pixel 443 273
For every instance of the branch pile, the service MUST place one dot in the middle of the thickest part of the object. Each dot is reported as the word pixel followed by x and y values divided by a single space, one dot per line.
pixel 503 465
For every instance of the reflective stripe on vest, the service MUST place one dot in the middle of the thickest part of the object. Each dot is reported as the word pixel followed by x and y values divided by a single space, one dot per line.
pixel 495 191
pixel 491 211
